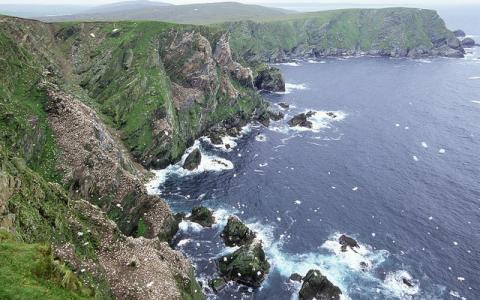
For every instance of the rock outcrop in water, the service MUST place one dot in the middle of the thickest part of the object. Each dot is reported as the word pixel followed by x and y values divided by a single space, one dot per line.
pixel 468 42
pixel 347 242
pixel 270 79
pixel 235 233
pixel 302 120
pixel 248 265
pixel 202 216
pixel 317 286
pixel 193 160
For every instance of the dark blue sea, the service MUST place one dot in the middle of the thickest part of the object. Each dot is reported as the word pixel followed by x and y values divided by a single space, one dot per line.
pixel 398 169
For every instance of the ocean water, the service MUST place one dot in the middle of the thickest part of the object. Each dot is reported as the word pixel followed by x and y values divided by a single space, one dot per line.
pixel 398 170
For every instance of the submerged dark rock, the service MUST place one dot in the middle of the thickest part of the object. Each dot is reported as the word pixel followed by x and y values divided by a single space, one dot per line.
pixel 301 120
pixel 347 241
pixel 236 233
pixel 284 105
pixel 317 286
pixel 193 160
pixel 331 115
pixel 202 216
pixel 247 265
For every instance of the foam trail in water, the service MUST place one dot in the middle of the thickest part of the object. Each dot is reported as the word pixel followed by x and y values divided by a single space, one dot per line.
pixel 476 101
pixel 345 269
pixel 474 77
pixel 290 87
pixel 289 64
pixel 209 163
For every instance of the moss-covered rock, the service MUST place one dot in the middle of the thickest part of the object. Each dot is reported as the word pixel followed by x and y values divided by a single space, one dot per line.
pixel 247 265
pixel 217 284
pixel 235 233
pixel 317 286
pixel 269 79
pixel 202 216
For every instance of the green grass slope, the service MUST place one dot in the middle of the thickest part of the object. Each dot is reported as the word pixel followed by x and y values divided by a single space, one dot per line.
pixel 349 31
pixel 206 13
pixel 29 271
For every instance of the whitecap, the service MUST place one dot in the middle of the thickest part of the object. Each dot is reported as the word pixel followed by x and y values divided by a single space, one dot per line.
pixel 474 77
pixel 209 163
pixel 442 151
pixel 187 226
pixel 395 282
pixel 261 138
pixel 289 64
pixel 290 87
pixel 476 101
pixel 183 242
pixel 415 158
pixel 425 61
pixel 424 145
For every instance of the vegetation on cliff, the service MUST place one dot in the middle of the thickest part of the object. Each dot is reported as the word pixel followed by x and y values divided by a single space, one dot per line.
pixel 387 32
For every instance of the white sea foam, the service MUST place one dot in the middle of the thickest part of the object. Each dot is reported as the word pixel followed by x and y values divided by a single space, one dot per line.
pixel 394 282
pixel 476 101
pixel 209 163
pixel 424 145
pixel 289 64
pixel 290 87
pixel 261 138
pixel 425 61
pixel 187 226
pixel 229 140
pixel 474 77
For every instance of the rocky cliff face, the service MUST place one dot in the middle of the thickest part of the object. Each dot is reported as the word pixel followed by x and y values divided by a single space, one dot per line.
pixel 76 94
pixel 395 32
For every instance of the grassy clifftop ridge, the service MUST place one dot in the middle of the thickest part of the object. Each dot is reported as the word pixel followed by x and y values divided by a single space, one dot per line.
pixel 394 32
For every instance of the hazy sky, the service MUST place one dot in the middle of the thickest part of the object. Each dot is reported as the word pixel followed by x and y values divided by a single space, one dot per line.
pixel 422 3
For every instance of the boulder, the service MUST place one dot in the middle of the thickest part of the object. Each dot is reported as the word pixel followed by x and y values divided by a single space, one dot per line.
pixel 296 277
pixel 301 120
pixel 331 115
pixel 217 284
pixel 468 42
pixel 193 160
pixel 459 33
pixel 284 105
pixel 453 43
pixel 316 286
pixel 247 265
pixel 236 233
pixel 275 115
pixel 270 79
pixel 202 216
pixel 347 241
pixel 215 138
